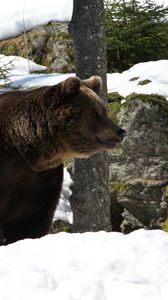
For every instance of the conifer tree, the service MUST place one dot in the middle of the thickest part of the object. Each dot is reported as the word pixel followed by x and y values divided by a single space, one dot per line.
pixel 136 31
pixel 90 200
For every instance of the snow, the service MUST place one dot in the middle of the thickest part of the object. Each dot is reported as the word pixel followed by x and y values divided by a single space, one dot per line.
pixel 162 2
pixel 19 65
pixel 25 15
pixel 155 71
pixel 124 83
pixel 89 266
pixel 63 211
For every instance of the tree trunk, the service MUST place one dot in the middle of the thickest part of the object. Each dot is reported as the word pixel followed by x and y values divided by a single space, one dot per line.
pixel 90 199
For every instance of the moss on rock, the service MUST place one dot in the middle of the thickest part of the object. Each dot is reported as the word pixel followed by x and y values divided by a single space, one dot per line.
pixel 49 45
pixel 165 194
pixel 134 78
pixel 113 109
pixel 114 96
pixel 165 225
pixel 144 82
pixel 114 105
pixel 154 99
pixel 115 101
pixel 119 187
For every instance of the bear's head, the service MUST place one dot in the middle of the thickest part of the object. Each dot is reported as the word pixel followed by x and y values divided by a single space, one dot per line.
pixel 79 121
pixel 51 124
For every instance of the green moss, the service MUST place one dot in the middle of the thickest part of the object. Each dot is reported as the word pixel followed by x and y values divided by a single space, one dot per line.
pixel 133 78
pixel 67 229
pixel 165 225
pixel 114 104
pixel 146 98
pixel 113 109
pixel 143 82
pixel 119 186
pixel 154 99
pixel 39 44
pixel 63 36
pixel 70 52
pixel 59 226
pixel 115 101
pixel 165 194
pixel 9 49
pixel 114 97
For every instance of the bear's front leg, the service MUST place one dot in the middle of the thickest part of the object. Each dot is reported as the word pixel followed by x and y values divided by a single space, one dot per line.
pixel 27 228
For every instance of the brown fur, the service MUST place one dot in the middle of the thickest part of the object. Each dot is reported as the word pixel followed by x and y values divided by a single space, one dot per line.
pixel 39 129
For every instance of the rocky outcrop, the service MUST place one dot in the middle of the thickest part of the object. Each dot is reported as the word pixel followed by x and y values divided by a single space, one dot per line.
pixel 48 45
pixel 139 170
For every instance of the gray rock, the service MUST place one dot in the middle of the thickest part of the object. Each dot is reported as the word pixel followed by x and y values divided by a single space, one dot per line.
pixel 139 170
pixel 49 45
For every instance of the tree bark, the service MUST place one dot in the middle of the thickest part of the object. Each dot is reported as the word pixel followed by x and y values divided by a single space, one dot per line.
pixel 90 199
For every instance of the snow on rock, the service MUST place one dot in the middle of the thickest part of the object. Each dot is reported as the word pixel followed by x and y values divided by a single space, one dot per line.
pixel 19 16
pixel 130 81
pixel 89 266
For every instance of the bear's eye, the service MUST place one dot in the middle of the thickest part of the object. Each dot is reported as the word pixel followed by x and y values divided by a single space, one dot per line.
pixel 69 120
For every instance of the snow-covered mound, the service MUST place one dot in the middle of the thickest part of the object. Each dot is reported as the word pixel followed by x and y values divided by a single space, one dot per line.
pixel 21 73
pixel 19 66
pixel 19 16
pixel 147 77
pixel 90 266
pixel 156 72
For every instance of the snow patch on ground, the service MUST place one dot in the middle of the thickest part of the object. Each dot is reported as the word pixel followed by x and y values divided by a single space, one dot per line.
pixel 126 83
pixel 63 211
pixel 89 266
pixel 19 66
pixel 92 266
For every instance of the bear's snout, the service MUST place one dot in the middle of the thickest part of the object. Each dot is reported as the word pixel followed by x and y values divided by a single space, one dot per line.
pixel 121 134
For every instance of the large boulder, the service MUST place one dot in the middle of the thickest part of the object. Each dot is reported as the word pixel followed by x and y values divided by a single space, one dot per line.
pixel 139 170
pixel 48 45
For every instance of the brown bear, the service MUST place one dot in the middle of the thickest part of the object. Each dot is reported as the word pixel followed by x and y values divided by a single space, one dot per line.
pixel 39 130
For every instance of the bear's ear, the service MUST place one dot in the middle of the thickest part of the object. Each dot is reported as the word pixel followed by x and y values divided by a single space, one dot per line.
pixel 94 83
pixel 70 86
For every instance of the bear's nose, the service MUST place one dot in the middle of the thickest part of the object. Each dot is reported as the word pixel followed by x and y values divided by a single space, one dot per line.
pixel 121 133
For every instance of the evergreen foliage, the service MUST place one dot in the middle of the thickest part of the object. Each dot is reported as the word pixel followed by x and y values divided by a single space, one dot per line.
pixel 136 32
pixel 4 74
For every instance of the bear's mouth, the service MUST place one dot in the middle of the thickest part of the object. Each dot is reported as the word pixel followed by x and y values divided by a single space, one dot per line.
pixel 107 143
